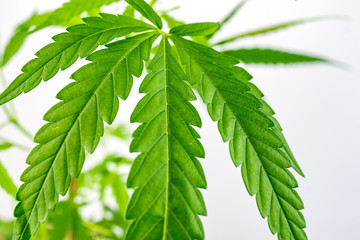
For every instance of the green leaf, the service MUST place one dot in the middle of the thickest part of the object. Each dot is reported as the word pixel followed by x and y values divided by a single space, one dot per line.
pixel 271 56
pixel 5 146
pixel 68 14
pixel 270 29
pixel 266 109
pixel 79 41
pixel 147 11
pixel 254 144
pixel 166 175
pixel 233 12
pixel 61 221
pixel 195 29
pixel 20 34
pixel 228 17
pixel 121 197
pixel 171 22
pixel 66 220
pixel 6 182
pixel 75 125
pixel 120 131
pixel 6 229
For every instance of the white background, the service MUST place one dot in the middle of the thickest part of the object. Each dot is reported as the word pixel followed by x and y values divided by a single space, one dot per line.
pixel 316 105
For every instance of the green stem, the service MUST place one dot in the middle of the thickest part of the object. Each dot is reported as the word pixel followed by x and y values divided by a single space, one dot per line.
pixel 22 129
pixel 4 124
pixel 15 144
pixel 12 115
pixel 5 84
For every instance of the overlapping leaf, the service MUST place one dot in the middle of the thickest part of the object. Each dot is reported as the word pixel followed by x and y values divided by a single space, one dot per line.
pixel 79 41
pixel 75 125
pixel 248 125
pixel 271 56
pixel 166 175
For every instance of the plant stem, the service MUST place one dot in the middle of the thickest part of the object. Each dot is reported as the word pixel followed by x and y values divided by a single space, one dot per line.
pixel 15 144
pixel 4 124
pixel 73 189
pixel 5 84
pixel 22 129
pixel 12 115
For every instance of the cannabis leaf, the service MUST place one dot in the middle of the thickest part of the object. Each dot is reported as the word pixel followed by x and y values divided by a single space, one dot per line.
pixel 254 142
pixel 166 175
pixel 271 56
pixel 79 41
pixel 75 125
pixel 68 14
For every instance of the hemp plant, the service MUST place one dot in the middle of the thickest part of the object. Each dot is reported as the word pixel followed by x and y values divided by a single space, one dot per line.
pixel 166 175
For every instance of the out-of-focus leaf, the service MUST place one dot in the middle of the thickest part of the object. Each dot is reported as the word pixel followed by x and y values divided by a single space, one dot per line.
pixel 129 11
pixel 6 229
pixel 119 131
pixel 5 145
pixel 171 22
pixel 122 198
pixel 271 29
pixel 21 32
pixel 233 12
pixel 6 182
pixel 67 15
pixel 271 56
pixel 228 17
pixel 66 221
pixel 100 230
pixel 60 220
pixel 195 29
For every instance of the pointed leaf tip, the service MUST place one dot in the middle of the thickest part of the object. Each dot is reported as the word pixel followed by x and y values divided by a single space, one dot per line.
pixel 147 11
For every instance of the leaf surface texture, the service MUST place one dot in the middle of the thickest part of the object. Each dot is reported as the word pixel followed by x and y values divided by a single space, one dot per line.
pixel 166 175
pixel 248 125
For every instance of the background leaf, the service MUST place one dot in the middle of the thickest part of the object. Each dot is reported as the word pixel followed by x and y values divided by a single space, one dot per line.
pixel 271 56
pixel 6 182
pixel 270 29
pixel 68 14
pixel 195 29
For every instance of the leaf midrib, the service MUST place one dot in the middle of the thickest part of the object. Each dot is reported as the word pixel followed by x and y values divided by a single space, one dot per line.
pixel 75 121
pixel 167 141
